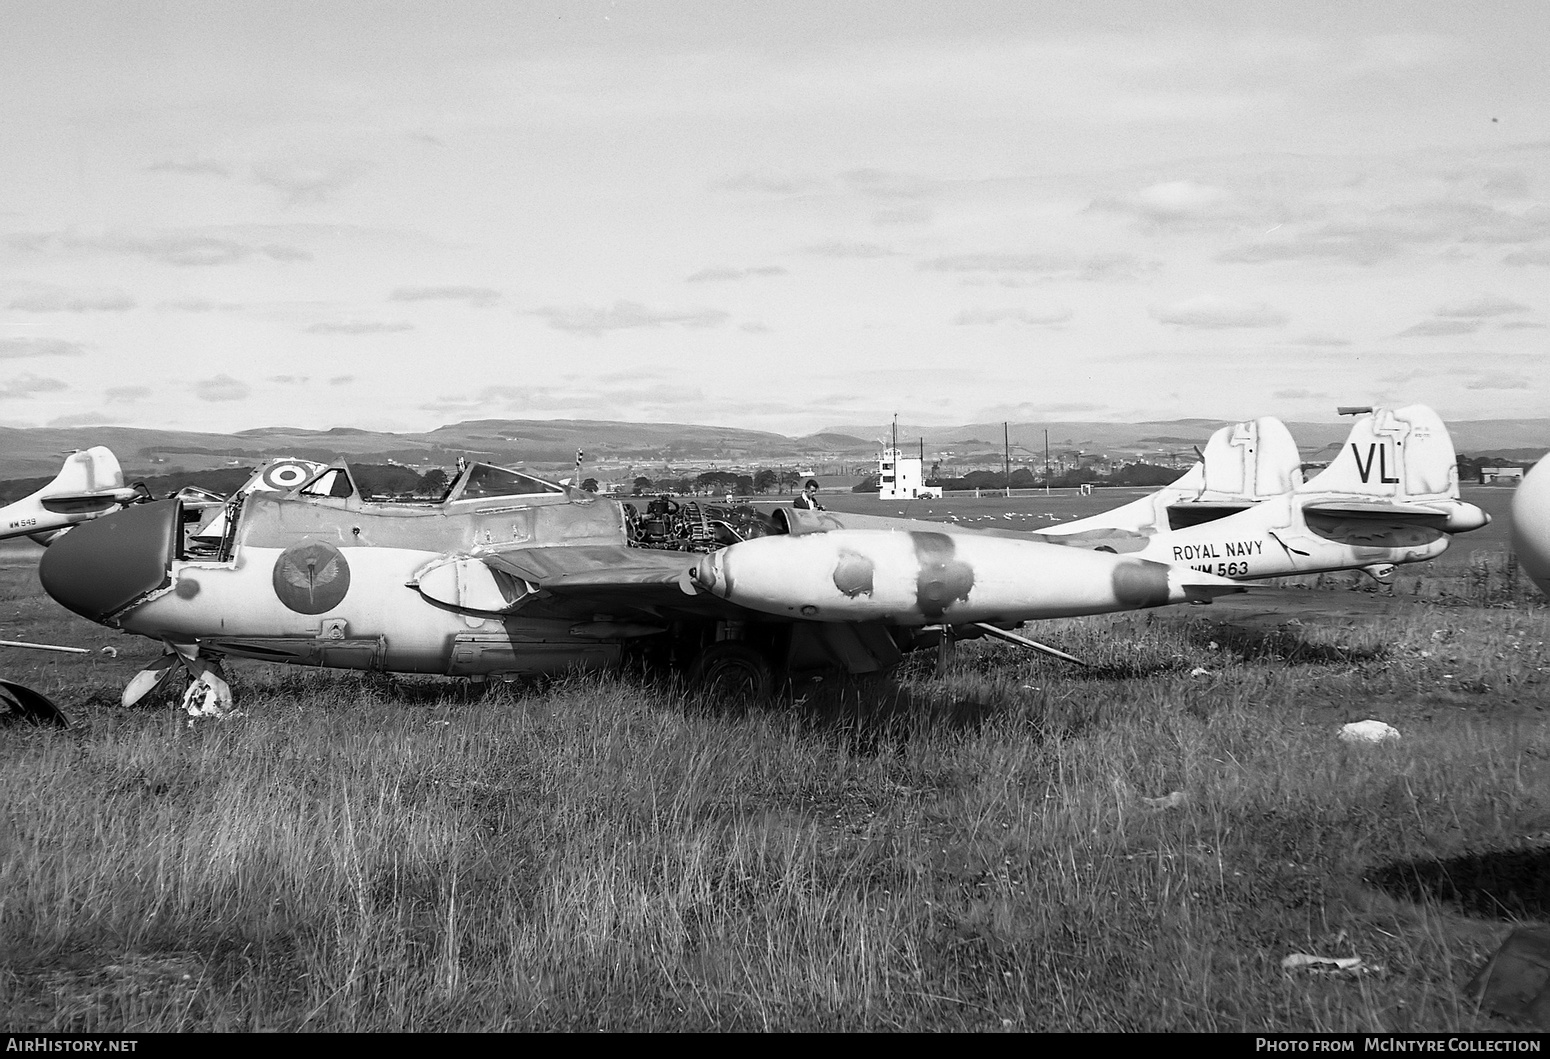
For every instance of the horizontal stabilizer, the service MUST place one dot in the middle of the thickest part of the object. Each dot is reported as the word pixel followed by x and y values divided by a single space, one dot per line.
pixel 1198 512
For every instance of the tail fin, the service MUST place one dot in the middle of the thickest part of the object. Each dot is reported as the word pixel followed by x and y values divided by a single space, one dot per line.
pixel 1251 461
pixel 1402 454
pixel 95 470
pixel 279 475
pixel 1242 464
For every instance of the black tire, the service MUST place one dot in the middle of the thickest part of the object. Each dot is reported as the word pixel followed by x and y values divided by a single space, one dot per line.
pixel 732 672
pixel 20 704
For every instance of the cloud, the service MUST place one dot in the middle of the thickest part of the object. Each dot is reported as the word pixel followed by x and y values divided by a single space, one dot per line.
pixel 1300 395
pixel 1521 258
pixel 23 387
pixel 83 419
pixel 199 305
pixel 192 167
pixel 58 300
pixel 14 348
pixel 1044 317
pixel 644 396
pixel 888 184
pixel 1433 328
pixel 1028 412
pixel 126 394
pixel 1360 250
pixel 719 273
pixel 480 296
pixel 170 248
pixel 1322 340
pixel 1482 307
pixel 589 320
pixel 221 388
pixel 903 215
pixel 289 380
pixel 1210 311
pixel 306 185
pixel 754 327
pixel 1177 204
pixel 769 183
pixel 1520 325
pixel 1368 237
pixel 1043 266
pixel 357 327
pixel 1497 380
pixel 841 248
pixel 341 380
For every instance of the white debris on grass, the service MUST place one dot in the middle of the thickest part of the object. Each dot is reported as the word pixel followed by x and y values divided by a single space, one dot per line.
pixel 1172 800
pixel 1368 731
pixel 1302 961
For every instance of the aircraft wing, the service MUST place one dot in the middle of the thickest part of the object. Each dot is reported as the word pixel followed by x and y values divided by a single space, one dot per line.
pixel 575 581
pixel 1417 514
pixel 1196 512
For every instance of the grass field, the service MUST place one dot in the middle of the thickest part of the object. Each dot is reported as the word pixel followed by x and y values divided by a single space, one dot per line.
pixel 993 848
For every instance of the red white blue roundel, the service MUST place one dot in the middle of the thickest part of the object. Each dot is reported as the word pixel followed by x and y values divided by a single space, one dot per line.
pixel 285 475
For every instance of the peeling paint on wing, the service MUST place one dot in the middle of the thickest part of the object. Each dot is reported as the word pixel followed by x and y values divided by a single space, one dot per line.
pixel 853 574
pixel 943 578
pixel 1141 583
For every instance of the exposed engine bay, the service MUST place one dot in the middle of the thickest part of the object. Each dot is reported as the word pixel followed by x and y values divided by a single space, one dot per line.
pixel 686 526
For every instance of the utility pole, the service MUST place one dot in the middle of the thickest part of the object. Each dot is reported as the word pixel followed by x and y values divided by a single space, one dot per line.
pixel 1046 461
pixel 1006 454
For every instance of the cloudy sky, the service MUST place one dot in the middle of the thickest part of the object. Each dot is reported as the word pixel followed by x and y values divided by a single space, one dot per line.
pixel 784 215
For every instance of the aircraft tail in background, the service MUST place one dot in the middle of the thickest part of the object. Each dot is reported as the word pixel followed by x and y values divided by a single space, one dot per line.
pixel 91 483
pixel 1242 464
pixel 1398 461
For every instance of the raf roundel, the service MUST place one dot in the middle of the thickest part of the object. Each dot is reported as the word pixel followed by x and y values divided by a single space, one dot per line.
pixel 286 475
pixel 311 577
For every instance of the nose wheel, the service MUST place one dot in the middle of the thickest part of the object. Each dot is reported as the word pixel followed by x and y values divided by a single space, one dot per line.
pixel 732 672
pixel 208 694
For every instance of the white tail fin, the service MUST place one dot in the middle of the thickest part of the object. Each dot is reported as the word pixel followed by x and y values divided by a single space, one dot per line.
pixel 95 470
pixel 90 483
pixel 1251 461
pixel 1399 454
pixel 1242 464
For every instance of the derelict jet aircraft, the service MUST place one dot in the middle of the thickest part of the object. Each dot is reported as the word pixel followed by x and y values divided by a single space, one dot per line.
pixel 90 484
pixel 511 574
pixel 1244 511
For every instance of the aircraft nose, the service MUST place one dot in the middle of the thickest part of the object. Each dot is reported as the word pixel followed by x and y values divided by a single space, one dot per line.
pixel 103 566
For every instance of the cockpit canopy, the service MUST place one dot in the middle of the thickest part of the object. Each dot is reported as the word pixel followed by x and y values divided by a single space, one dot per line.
pixel 477 481
pixel 482 480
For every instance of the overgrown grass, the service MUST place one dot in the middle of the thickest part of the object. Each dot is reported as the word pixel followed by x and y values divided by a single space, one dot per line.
pixel 971 851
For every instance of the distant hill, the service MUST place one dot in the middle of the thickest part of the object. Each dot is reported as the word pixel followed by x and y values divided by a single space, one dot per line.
pixel 551 444
pixel 146 452
pixel 1469 436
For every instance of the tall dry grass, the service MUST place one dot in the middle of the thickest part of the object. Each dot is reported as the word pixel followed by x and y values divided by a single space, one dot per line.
pixel 972 851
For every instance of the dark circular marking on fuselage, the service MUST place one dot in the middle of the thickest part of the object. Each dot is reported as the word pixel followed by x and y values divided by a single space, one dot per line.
pixel 853 574
pixel 187 588
pixel 944 579
pixel 286 475
pixel 311 577
pixel 1141 583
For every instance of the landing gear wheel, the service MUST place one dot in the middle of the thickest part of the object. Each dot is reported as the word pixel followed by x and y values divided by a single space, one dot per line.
pixel 732 672
pixel 19 703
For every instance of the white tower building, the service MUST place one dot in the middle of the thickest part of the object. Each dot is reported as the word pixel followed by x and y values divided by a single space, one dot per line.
pixel 900 477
